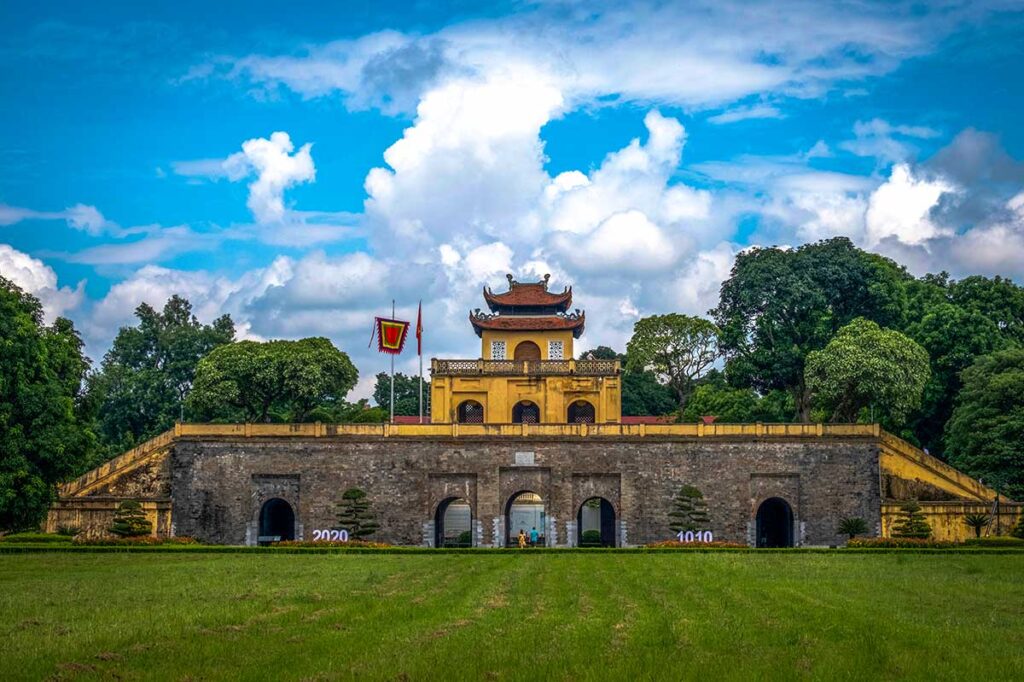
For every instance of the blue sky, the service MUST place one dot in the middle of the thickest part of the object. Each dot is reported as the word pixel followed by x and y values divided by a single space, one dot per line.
pixel 629 150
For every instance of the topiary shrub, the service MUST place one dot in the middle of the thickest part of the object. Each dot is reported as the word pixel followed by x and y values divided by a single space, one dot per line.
pixel 689 511
pixel 130 520
pixel 853 526
pixel 465 539
pixel 1018 530
pixel 911 523
pixel 356 515
pixel 977 522
pixel 590 538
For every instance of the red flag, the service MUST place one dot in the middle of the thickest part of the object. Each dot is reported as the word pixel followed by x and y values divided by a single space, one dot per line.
pixel 419 330
pixel 390 334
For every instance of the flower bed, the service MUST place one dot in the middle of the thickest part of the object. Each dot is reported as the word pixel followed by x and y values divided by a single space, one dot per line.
pixel 135 541
pixel 676 544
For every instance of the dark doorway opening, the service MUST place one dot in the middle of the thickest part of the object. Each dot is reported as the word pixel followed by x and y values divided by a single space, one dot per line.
pixel 453 523
pixel 595 523
pixel 527 350
pixel 525 412
pixel 277 521
pixel 774 523
pixel 525 512
pixel 470 412
pixel 581 412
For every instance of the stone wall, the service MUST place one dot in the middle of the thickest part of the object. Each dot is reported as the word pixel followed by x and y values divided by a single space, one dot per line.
pixel 220 485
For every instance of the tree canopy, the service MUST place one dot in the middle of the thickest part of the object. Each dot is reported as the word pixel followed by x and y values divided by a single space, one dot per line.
pixel 678 349
pixel 407 394
pixel 274 380
pixel 986 432
pixel 642 394
pixel 44 437
pixel 866 366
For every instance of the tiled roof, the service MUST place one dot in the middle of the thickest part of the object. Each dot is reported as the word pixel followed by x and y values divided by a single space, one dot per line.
pixel 531 294
pixel 540 323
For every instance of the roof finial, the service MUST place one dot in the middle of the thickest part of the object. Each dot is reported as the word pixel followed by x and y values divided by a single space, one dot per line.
pixel 510 281
pixel 546 278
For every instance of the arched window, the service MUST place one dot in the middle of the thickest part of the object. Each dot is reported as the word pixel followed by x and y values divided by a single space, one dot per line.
pixel 527 350
pixel 277 521
pixel 775 523
pixel 470 412
pixel 581 412
pixel 525 412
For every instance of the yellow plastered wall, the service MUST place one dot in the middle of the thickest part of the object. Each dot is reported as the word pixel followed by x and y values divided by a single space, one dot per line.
pixel 512 339
pixel 552 394
pixel 947 518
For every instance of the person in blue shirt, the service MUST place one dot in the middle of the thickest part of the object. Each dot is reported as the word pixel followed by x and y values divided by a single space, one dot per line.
pixel 533 536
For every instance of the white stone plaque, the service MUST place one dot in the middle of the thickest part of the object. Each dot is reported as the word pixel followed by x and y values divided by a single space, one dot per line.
pixel 524 459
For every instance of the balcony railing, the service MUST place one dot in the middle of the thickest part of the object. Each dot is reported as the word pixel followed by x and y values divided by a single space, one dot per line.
pixel 587 368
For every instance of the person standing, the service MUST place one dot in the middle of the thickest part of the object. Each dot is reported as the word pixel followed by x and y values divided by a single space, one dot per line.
pixel 534 535
pixel 522 539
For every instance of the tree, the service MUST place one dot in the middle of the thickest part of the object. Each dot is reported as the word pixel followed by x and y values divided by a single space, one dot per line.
pixel 1018 530
pixel 985 433
pixel 130 520
pixel 407 394
pixel 864 366
pixel 911 522
pixel 689 511
pixel 356 515
pixel 977 522
pixel 642 395
pixel 678 349
pixel 44 436
pixel 142 385
pixel 853 526
pixel 778 305
pixel 288 379
pixel 345 412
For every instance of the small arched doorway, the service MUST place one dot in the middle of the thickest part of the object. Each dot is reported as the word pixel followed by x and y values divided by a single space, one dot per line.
pixel 527 350
pixel 453 523
pixel 595 523
pixel 774 523
pixel 525 512
pixel 581 412
pixel 470 412
pixel 525 412
pixel 277 521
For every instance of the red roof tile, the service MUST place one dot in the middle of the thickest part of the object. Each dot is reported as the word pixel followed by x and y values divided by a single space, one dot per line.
pixel 541 323
pixel 532 294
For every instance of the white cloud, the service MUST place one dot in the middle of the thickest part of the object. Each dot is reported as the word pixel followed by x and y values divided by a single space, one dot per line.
pixel 754 111
pixel 900 208
pixel 884 141
pixel 39 279
pixel 80 217
pixel 276 169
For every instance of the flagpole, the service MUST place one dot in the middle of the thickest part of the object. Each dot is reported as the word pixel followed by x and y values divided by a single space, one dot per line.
pixel 419 347
pixel 392 370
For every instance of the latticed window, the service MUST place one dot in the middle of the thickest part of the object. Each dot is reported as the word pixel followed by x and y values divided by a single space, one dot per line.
pixel 556 350
pixel 497 350
pixel 581 412
pixel 525 412
pixel 470 412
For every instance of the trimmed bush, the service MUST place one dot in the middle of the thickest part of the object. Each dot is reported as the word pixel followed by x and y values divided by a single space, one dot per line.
pixel 911 523
pixel 1018 530
pixel 356 515
pixel 900 543
pixel 590 538
pixel 35 537
pixel 995 541
pixel 676 544
pixel 689 511
pixel 130 520
pixel 133 541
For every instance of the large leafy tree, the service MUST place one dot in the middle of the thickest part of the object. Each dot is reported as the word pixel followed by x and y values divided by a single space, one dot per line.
pixel 778 305
pixel 986 432
pixel 407 394
pixel 146 375
pixel 678 349
pixel 868 366
pixel 43 437
pixel 261 382
pixel 642 394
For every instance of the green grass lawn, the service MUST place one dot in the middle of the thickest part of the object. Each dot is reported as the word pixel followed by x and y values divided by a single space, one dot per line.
pixel 570 617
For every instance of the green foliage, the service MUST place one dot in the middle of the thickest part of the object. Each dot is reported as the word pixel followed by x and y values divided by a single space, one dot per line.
pixel 69 531
pixel 713 396
pixel 1018 530
pixel 45 436
pixel 590 538
pixel 253 381
pixel 689 511
pixel 35 538
pixel 977 522
pixel 141 387
pixel 778 305
pixel 866 366
pixel 995 541
pixel 130 520
pixel 985 434
pixel 342 412
pixel 407 394
pixel 642 395
pixel 355 514
pixel 678 349
pixel 911 523
pixel 853 526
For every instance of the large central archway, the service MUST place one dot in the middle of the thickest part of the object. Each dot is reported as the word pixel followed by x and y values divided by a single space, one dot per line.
pixel 595 523
pixel 277 521
pixel 774 523
pixel 453 523
pixel 525 512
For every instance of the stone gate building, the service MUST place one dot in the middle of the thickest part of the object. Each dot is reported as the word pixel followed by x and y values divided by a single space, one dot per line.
pixel 525 438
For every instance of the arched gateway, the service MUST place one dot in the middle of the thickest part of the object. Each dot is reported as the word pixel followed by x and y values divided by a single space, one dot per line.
pixel 525 512
pixel 453 523
pixel 774 523
pixel 595 523
pixel 277 521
